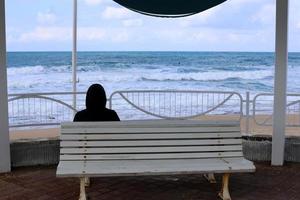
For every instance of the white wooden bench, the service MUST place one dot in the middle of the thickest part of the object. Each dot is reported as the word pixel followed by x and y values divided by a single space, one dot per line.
pixel 155 147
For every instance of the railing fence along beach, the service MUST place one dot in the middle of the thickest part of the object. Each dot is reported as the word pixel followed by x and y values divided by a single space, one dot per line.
pixel 255 111
pixel 42 109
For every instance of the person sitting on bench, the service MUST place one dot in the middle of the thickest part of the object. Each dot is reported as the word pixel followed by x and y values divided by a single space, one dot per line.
pixel 96 107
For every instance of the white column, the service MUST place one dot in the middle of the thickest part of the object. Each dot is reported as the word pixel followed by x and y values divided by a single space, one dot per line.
pixel 4 137
pixel 74 53
pixel 280 85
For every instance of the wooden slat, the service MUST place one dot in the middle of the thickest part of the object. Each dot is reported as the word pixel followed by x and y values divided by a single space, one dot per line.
pixel 149 136
pixel 148 143
pixel 150 149
pixel 151 130
pixel 153 167
pixel 147 123
pixel 152 156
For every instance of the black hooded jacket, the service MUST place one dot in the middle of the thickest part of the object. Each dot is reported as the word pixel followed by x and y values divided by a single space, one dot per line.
pixel 95 107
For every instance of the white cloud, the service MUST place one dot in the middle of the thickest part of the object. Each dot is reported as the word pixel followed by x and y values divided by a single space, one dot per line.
pixel 93 2
pixel 201 18
pixel 64 34
pixel 188 36
pixel 170 34
pixel 234 25
pixel 120 37
pixel 115 13
pixel 265 15
pixel 214 38
pixel 219 12
pixel 200 38
pixel 240 3
pixel 132 22
pixel 205 36
pixel 91 33
pixel 42 33
pixel 46 17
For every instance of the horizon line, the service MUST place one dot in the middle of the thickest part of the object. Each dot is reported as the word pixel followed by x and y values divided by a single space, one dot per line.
pixel 223 51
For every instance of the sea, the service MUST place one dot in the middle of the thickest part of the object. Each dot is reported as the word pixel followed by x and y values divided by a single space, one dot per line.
pixel 35 72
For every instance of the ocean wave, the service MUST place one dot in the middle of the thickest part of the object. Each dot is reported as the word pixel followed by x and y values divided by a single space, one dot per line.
pixel 247 85
pixel 41 72
pixel 25 70
pixel 206 76
pixel 37 69
pixel 133 74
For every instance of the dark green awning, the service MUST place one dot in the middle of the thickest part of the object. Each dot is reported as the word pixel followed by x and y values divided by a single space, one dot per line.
pixel 169 8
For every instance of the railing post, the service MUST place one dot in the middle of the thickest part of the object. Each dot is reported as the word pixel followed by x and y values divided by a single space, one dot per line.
pixel 74 55
pixel 247 112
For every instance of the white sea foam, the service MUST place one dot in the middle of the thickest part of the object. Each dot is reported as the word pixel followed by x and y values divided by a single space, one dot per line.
pixel 25 70
pixel 237 72
pixel 38 69
pixel 59 78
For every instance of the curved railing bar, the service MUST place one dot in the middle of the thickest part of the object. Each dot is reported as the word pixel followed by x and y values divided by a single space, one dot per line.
pixel 264 123
pixel 270 117
pixel 293 103
pixel 24 96
pixel 42 97
pixel 166 117
pixel 45 93
pixel 254 107
pixel 138 108
pixel 175 91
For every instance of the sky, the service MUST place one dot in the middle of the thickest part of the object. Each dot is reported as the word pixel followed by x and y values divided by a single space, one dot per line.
pixel 103 25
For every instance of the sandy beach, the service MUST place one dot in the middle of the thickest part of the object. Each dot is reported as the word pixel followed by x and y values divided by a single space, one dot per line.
pixel 254 129
pixel 34 133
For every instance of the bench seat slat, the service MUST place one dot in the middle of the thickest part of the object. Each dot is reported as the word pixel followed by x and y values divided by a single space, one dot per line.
pixel 148 136
pixel 151 147
pixel 153 129
pixel 153 167
pixel 148 143
pixel 99 150
pixel 151 156
pixel 153 123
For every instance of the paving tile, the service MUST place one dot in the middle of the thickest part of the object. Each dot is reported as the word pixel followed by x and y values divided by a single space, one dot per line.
pixel 276 183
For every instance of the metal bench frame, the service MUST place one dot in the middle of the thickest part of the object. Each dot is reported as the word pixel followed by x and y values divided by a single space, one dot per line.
pixel 151 147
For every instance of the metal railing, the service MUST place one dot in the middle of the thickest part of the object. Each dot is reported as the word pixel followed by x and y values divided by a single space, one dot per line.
pixel 43 109
pixel 175 104
pixel 263 109
pixel 40 109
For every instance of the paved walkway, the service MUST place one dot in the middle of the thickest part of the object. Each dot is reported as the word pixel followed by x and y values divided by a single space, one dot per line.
pixel 282 183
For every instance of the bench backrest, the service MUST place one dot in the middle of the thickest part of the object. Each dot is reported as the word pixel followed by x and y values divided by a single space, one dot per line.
pixel 163 139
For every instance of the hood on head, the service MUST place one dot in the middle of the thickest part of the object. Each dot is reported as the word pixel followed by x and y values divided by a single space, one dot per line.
pixel 95 97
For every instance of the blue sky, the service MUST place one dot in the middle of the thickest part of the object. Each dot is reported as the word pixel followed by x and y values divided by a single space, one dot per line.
pixel 236 25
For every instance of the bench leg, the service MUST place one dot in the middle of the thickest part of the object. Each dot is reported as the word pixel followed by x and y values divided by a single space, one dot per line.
pixel 87 181
pixel 82 189
pixel 224 194
pixel 210 177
